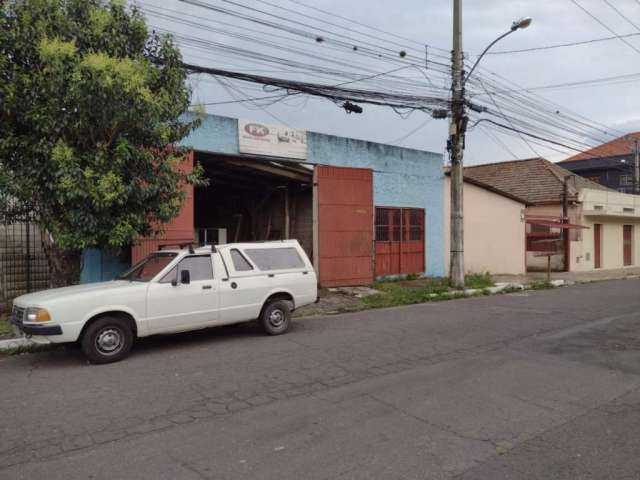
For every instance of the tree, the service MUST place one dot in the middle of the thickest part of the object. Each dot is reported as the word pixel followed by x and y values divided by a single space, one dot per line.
pixel 90 114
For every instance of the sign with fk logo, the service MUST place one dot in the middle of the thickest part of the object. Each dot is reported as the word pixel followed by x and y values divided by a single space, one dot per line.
pixel 257 138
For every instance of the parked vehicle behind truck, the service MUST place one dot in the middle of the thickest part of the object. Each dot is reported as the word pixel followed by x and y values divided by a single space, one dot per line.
pixel 173 290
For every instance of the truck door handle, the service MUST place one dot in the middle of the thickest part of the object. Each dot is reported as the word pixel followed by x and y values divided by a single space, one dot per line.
pixel 305 273
pixel 206 287
pixel 271 275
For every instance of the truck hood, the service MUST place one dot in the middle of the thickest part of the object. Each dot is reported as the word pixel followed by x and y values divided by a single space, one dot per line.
pixel 56 294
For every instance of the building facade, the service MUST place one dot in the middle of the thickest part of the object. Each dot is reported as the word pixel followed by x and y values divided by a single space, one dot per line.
pixel 360 209
pixel 610 164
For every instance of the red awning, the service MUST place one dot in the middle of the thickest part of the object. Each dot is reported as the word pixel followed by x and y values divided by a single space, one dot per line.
pixel 554 222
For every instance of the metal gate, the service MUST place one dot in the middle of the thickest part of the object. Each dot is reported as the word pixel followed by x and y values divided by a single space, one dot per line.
pixel 23 264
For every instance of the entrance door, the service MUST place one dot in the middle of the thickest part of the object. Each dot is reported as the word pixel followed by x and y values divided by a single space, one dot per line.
pixel 343 240
pixel 627 240
pixel 597 247
pixel 399 241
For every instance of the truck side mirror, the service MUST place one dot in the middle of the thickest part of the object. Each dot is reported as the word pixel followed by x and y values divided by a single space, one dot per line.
pixel 185 277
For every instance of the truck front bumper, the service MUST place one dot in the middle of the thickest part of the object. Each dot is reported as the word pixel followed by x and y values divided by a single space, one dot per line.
pixel 36 329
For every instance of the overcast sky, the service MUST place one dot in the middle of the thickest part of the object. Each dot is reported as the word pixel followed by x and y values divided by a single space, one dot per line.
pixel 429 21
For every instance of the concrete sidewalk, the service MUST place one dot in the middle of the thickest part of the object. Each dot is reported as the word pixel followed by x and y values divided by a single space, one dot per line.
pixel 578 277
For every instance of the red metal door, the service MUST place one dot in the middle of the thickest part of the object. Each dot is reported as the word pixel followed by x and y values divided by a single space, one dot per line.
pixel 179 230
pixel 596 245
pixel 627 233
pixel 399 241
pixel 345 225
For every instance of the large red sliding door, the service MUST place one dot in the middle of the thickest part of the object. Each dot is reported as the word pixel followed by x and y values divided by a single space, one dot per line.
pixel 179 230
pixel 344 206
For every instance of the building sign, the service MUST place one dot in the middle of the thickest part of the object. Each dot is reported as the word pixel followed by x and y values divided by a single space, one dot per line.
pixel 258 138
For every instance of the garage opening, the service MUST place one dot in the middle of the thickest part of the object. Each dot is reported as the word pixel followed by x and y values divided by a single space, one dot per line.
pixel 252 200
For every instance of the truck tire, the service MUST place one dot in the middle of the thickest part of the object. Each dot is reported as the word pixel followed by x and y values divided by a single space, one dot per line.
pixel 107 340
pixel 276 317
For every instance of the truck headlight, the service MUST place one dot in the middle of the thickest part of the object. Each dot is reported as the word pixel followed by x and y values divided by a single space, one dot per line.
pixel 35 314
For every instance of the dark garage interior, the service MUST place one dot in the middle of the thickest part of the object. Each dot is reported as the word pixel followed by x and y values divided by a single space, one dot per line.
pixel 253 200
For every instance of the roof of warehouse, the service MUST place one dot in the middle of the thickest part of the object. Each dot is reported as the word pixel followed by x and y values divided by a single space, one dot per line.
pixel 615 148
pixel 535 180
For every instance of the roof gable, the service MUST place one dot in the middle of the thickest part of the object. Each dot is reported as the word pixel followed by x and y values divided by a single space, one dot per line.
pixel 619 147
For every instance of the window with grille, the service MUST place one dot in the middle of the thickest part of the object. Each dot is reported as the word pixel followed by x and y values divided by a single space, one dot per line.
pixel 395 224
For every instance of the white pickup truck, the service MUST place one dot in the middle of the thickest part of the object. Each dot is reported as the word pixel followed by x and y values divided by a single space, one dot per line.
pixel 173 291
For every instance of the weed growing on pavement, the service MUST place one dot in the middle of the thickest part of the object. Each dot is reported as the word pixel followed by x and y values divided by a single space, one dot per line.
pixel 478 280
pixel 541 285
pixel 6 330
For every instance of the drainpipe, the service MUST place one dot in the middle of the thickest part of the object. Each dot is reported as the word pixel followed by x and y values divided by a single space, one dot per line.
pixel 565 219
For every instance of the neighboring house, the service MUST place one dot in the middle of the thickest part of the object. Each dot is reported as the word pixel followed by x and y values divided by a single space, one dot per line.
pixel 360 209
pixel 494 228
pixel 610 164
pixel 603 225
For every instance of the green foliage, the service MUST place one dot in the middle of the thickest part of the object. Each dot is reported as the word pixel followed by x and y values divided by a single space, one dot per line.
pixel 478 280
pixel 541 285
pixel 90 107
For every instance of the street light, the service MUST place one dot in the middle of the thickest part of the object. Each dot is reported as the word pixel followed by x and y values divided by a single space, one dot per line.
pixel 517 25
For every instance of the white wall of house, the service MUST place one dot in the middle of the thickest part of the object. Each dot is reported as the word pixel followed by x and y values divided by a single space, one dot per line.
pixel 612 210
pixel 494 231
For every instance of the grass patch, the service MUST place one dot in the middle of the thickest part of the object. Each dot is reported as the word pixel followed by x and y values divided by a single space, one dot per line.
pixel 392 293
pixel 541 285
pixel 478 280
pixel 6 329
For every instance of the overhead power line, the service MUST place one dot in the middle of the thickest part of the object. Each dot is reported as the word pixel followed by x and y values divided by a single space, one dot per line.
pixel 605 25
pixel 563 45
pixel 627 19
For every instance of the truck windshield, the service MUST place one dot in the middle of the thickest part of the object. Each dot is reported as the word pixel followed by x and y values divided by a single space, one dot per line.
pixel 149 267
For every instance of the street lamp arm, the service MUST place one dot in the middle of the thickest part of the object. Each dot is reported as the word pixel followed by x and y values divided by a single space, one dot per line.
pixel 485 51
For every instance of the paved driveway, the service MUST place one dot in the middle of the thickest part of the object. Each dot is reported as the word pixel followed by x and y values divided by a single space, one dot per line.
pixel 537 385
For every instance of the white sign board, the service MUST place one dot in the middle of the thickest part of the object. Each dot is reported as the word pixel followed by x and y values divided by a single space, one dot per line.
pixel 258 138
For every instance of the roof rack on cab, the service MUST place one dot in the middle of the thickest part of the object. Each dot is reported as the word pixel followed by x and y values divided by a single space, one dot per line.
pixel 179 245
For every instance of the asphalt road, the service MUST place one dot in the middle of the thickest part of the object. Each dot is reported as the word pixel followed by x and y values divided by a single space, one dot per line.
pixel 536 385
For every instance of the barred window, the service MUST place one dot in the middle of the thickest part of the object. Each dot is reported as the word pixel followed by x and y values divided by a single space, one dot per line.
pixel 395 224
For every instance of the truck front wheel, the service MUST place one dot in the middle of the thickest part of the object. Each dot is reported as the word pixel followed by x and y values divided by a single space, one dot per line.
pixel 108 339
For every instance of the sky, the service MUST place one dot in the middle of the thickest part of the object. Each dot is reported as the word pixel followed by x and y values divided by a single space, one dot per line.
pixel 615 104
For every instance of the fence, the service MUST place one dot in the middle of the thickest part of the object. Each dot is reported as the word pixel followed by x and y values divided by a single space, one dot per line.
pixel 23 264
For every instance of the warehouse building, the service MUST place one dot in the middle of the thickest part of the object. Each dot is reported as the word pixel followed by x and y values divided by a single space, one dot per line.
pixel 361 210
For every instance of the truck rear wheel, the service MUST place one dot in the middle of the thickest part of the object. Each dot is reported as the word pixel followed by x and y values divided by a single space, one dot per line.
pixel 108 339
pixel 276 317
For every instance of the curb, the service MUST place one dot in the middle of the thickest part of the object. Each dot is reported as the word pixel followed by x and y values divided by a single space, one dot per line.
pixel 14 344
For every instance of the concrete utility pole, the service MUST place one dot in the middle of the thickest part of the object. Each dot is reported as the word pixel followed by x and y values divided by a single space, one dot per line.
pixel 456 149
pixel 457 129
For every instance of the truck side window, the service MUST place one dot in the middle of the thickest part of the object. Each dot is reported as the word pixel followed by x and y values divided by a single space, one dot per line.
pixel 240 263
pixel 199 267
pixel 275 258
pixel 170 276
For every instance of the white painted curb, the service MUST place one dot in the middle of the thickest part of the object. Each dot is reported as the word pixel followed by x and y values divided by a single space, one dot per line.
pixel 13 343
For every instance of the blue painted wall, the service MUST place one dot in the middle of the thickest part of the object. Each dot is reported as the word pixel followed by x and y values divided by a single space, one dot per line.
pixel 402 177
pixel 99 266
